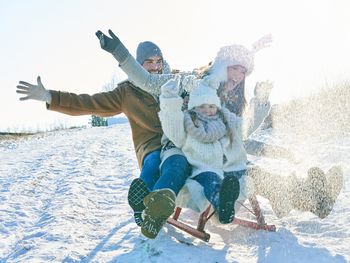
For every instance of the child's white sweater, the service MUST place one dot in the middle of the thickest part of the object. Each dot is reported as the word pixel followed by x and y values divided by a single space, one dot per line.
pixel 203 157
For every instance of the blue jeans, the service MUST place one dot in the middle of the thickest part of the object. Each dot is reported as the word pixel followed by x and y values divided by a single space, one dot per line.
pixel 173 174
pixel 211 183
pixel 150 169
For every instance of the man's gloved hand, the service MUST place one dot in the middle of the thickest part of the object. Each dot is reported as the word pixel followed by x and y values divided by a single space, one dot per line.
pixel 108 43
pixel 113 45
pixel 170 89
pixel 34 92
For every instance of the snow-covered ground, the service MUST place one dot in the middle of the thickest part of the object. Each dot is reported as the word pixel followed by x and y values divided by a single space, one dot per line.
pixel 63 198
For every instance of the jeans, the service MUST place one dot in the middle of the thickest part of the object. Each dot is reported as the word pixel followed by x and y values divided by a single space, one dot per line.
pixel 150 169
pixel 173 174
pixel 211 183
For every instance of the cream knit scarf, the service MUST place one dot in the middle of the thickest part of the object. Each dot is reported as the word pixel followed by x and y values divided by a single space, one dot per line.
pixel 204 128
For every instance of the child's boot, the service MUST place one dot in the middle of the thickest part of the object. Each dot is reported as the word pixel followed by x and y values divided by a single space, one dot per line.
pixel 228 195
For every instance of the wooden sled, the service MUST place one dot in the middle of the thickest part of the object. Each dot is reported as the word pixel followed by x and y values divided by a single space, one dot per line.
pixel 200 233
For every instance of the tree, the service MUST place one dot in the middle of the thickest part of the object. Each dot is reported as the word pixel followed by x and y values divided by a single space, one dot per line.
pixel 97 121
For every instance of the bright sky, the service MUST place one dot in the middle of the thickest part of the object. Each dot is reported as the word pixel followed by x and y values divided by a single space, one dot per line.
pixel 56 40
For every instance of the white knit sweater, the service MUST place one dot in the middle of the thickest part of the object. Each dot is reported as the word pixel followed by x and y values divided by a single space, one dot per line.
pixel 203 157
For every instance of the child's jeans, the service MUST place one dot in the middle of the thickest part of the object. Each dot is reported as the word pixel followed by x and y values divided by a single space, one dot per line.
pixel 211 183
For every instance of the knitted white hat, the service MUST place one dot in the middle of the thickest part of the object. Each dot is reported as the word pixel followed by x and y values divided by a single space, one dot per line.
pixel 205 93
pixel 231 56
pixel 237 55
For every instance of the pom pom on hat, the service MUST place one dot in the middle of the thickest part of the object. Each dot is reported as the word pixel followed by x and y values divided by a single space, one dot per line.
pixel 205 93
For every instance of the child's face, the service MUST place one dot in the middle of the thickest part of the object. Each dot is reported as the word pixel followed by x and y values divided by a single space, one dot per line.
pixel 236 73
pixel 207 109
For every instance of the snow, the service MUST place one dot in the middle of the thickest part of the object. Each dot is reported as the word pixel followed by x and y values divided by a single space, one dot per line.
pixel 63 198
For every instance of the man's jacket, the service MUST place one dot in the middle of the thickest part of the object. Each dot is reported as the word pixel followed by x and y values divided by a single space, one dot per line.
pixel 140 107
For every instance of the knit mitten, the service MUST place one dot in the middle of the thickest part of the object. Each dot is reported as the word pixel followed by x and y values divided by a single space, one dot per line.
pixel 170 89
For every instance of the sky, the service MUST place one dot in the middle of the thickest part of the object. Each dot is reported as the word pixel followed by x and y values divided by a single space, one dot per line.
pixel 56 40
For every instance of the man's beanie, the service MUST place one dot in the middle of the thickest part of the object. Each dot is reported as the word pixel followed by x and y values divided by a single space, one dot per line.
pixel 146 50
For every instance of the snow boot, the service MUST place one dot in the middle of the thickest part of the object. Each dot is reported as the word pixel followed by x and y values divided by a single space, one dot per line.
pixel 325 197
pixel 312 195
pixel 228 195
pixel 321 201
pixel 137 192
pixel 277 189
pixel 335 180
pixel 160 204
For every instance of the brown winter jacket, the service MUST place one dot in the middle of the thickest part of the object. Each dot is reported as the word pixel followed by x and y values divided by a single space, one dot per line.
pixel 140 107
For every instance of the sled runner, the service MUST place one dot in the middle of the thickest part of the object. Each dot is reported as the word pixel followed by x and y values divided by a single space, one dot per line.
pixel 200 233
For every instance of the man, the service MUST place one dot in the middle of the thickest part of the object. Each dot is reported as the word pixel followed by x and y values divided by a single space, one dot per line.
pixel 141 109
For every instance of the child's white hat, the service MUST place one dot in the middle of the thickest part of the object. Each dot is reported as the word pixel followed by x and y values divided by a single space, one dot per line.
pixel 205 93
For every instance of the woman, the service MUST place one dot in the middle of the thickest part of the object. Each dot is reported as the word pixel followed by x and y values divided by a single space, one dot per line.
pixel 319 191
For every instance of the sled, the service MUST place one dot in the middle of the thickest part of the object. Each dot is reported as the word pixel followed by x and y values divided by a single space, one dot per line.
pixel 200 233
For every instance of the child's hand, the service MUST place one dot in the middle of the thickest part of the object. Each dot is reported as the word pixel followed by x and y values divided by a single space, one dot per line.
pixel 170 89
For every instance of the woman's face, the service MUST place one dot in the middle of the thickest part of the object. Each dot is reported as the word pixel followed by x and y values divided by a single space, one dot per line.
pixel 207 109
pixel 236 73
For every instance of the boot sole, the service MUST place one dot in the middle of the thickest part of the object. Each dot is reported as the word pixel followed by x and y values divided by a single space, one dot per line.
pixel 159 206
pixel 137 192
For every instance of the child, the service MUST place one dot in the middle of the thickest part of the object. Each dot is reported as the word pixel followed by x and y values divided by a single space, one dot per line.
pixel 209 136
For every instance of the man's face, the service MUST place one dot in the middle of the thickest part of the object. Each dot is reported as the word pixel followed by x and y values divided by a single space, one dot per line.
pixel 153 65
